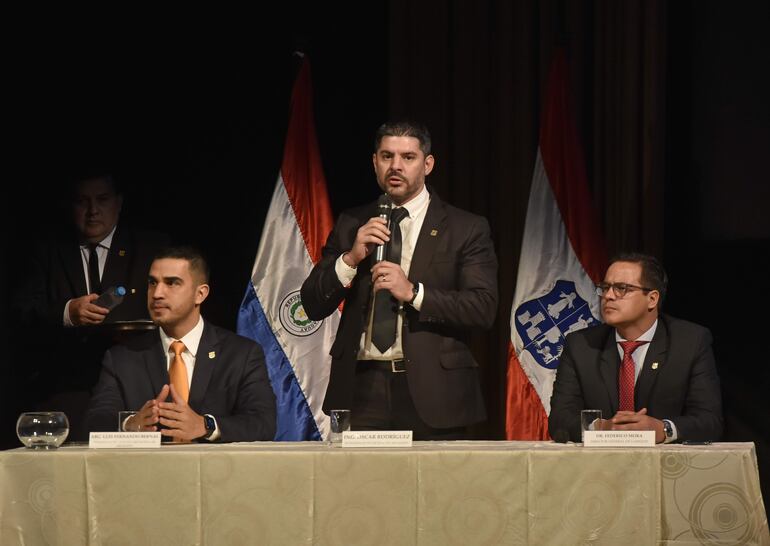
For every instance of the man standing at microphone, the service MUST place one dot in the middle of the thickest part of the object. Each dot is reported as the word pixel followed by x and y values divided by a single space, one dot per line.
pixel 400 359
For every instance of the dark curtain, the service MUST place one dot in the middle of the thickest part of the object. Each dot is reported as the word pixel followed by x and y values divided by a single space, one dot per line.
pixel 474 73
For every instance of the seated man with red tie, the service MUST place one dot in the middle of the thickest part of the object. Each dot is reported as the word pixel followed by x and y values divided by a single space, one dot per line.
pixel 191 380
pixel 643 369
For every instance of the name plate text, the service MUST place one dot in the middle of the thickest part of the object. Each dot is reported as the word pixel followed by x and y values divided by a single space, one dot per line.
pixel 377 438
pixel 619 438
pixel 122 440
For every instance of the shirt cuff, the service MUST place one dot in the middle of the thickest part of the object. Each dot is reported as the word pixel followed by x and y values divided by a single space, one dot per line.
pixel 345 273
pixel 67 321
pixel 123 424
pixel 417 303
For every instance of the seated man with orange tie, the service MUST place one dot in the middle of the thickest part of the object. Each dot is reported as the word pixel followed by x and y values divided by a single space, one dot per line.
pixel 191 380
pixel 643 369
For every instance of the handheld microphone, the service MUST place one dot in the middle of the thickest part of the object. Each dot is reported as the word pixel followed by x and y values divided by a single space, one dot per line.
pixel 384 207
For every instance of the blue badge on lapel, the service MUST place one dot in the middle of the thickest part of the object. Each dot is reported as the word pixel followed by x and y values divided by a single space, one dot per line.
pixel 543 322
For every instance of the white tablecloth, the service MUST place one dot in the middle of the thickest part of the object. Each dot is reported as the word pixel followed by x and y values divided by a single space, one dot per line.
pixel 449 493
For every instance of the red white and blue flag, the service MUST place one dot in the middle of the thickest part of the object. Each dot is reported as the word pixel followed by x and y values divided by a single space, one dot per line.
pixel 297 224
pixel 562 258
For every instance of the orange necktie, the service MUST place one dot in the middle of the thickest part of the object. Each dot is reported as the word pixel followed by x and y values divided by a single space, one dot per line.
pixel 177 372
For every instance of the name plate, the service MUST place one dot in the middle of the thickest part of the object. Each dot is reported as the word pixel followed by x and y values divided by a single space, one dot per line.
pixel 619 438
pixel 122 440
pixel 377 438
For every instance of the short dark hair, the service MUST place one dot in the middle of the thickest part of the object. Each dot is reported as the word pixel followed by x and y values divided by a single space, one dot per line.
pixel 193 256
pixel 404 129
pixel 85 176
pixel 653 274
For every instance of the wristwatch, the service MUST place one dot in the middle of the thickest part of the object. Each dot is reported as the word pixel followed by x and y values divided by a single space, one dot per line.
pixel 415 291
pixel 668 430
pixel 211 426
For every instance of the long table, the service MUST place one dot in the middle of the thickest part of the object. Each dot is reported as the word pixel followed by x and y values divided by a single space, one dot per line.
pixel 444 493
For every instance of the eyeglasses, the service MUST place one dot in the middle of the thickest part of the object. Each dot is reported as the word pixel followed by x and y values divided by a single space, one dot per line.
pixel 619 288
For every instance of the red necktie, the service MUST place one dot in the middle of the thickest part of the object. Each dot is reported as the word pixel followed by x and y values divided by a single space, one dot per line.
pixel 627 374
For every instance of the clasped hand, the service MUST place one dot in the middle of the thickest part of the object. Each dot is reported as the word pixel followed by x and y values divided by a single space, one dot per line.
pixel 181 422
pixel 634 420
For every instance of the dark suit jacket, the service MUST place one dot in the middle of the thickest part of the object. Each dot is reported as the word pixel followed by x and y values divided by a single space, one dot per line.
pixel 55 275
pixel 68 359
pixel 683 387
pixel 455 261
pixel 229 382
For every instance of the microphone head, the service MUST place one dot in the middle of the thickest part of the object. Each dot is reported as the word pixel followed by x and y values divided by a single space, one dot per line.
pixel 384 202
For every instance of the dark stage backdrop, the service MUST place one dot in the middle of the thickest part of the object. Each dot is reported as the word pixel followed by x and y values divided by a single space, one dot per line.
pixel 670 102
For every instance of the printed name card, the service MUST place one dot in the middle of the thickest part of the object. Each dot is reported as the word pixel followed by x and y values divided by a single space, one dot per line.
pixel 123 440
pixel 377 438
pixel 619 438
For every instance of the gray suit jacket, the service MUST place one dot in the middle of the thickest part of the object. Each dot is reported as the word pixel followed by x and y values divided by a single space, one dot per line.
pixel 683 386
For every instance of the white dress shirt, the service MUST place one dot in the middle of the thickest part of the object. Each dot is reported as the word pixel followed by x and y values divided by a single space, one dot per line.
pixel 191 341
pixel 641 351
pixel 410 232
pixel 102 249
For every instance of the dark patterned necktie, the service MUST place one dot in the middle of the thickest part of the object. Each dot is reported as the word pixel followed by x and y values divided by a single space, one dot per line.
pixel 385 305
pixel 627 375
pixel 94 280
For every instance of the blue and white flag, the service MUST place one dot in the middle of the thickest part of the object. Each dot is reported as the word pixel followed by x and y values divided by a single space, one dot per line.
pixel 297 225
pixel 562 257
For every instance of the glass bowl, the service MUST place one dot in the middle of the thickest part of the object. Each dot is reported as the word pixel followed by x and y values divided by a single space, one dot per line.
pixel 42 429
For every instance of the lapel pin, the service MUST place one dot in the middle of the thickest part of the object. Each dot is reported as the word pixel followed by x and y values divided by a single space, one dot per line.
pixel 121 253
pixel 654 365
pixel 133 290
pixel 433 232
pixel 212 354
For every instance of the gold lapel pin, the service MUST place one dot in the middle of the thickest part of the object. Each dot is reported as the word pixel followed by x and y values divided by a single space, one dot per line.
pixel 212 354
pixel 433 232
pixel 654 365
pixel 121 253
pixel 133 290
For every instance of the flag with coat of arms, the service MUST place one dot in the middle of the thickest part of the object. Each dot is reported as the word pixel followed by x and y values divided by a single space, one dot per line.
pixel 298 221
pixel 562 258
